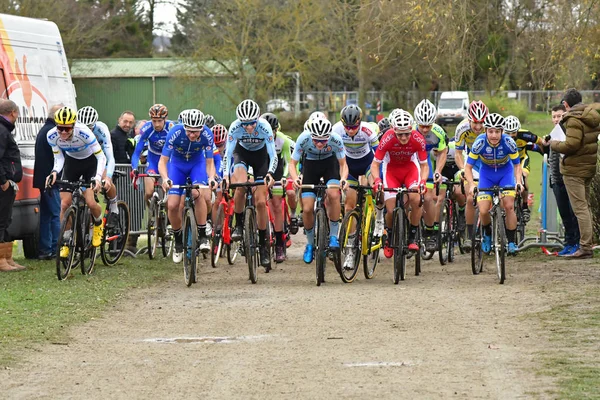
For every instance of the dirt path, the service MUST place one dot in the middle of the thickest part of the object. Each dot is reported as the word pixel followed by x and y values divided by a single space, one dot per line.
pixel 443 334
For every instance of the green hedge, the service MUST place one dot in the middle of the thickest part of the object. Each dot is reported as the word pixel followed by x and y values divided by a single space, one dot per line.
pixel 505 107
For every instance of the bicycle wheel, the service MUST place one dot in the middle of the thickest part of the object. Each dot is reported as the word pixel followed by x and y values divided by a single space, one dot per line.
pixel 251 243
pixel 232 248
pixel 427 255
pixel 321 237
pixel 370 259
pixel 270 243
pixel 190 241
pixel 151 227
pixel 419 253
pixel 399 237
pixel 167 240
pixel 444 236
pixel 88 254
pixel 520 234
pixel 476 250
pixel 217 240
pixel 453 236
pixel 499 244
pixel 459 235
pixel 115 237
pixel 67 238
pixel 350 243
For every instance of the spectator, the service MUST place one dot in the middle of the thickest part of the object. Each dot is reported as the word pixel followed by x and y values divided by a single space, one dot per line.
pixel 11 173
pixel 120 138
pixel 49 199
pixel 581 124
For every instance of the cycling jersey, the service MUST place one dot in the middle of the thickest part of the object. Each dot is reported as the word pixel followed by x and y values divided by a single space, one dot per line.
pixel 284 146
pixel 155 140
pixel 464 136
pixel 435 138
pixel 261 137
pixel 522 139
pixel 81 145
pixel 218 161
pixel 493 156
pixel 359 145
pixel 306 147
pixel 103 136
pixel 179 148
pixel 399 153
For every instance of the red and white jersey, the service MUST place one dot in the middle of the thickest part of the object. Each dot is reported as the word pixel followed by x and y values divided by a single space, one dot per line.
pixel 395 153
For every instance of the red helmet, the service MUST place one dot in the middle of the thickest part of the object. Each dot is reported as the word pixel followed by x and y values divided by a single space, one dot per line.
pixel 158 111
pixel 477 111
pixel 220 133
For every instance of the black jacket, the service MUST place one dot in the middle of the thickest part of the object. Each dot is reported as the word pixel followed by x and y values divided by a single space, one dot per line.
pixel 10 156
pixel 122 148
pixel 44 159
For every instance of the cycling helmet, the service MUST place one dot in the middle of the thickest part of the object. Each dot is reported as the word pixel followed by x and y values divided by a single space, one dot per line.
pixel 209 121
pixel 401 119
pixel 384 125
pixel 320 128
pixel 87 115
pixel 193 118
pixel 272 120
pixel 494 120
pixel 247 111
pixel 511 124
pixel 220 133
pixel 477 111
pixel 181 114
pixel 316 114
pixel 425 113
pixel 65 116
pixel 351 115
pixel 158 111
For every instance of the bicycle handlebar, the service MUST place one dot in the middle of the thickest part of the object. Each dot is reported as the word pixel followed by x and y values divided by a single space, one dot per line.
pixel 402 191
pixel 495 189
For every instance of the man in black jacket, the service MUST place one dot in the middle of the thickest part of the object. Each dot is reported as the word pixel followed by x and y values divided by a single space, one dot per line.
pixel 11 173
pixel 120 136
pixel 49 199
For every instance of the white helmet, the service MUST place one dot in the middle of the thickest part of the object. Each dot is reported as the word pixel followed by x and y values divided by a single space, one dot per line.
pixel 320 128
pixel 317 114
pixel 87 115
pixel 425 113
pixel 247 111
pixel 512 124
pixel 394 112
pixel 193 118
pixel 401 119
pixel 494 120
pixel 181 115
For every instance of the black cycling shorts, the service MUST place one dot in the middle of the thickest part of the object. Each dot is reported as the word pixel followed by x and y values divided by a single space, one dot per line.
pixel 75 169
pixel 314 170
pixel 258 160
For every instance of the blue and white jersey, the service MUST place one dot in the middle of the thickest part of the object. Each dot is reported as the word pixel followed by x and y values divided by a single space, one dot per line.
pixel 261 136
pixel 306 146
pixel 494 156
pixel 103 137
pixel 179 148
pixel 154 139
pixel 360 145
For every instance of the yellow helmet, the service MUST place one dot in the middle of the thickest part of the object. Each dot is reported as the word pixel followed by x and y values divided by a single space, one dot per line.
pixel 65 116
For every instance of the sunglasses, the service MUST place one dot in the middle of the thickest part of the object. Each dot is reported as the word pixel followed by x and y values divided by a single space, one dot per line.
pixel 64 128
pixel 351 127
pixel 402 133
pixel 321 141
pixel 244 124
pixel 193 131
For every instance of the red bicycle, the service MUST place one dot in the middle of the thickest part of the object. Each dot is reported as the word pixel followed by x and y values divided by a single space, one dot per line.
pixel 223 224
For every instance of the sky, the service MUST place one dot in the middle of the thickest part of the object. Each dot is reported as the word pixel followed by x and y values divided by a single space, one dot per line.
pixel 166 13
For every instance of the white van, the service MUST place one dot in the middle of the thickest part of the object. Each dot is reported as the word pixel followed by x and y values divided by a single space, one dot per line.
pixel 452 107
pixel 34 74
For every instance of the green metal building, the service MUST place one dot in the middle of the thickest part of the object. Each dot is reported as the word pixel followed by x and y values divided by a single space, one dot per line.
pixel 115 85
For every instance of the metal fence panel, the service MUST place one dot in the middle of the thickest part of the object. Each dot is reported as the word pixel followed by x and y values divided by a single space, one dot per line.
pixel 133 198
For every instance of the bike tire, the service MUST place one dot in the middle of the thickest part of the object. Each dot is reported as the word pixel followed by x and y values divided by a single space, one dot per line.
pixel 217 239
pixel 232 248
pixel 350 246
pixel 251 244
pixel 476 250
pixel 500 245
pixel 190 241
pixel 88 253
pixel 321 236
pixel 426 255
pixel 115 238
pixel 520 224
pixel 419 253
pixel 371 259
pixel 399 243
pixel 151 228
pixel 64 265
pixel 444 238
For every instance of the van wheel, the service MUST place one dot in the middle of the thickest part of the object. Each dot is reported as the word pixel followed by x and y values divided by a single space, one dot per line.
pixel 30 246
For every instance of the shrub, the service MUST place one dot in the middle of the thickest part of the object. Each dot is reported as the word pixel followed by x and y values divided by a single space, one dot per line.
pixel 505 106
pixel 290 124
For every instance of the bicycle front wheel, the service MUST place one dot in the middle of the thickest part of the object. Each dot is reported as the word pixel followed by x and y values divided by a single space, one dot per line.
pixel 190 240
pixel 217 240
pixel 67 243
pixel 476 250
pixel 151 227
pixel 115 236
pixel 321 236
pixel 399 237
pixel 251 243
pixel 373 244
pixel 500 244
pixel 350 240
pixel 445 245
pixel 88 253
pixel 233 247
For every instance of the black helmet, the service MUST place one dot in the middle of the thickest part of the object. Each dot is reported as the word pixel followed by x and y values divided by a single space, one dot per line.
pixel 272 120
pixel 209 121
pixel 384 125
pixel 351 115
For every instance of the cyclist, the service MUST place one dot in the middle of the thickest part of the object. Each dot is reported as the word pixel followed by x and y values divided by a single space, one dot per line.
pixel 89 116
pixel 188 152
pixel 320 148
pixel 397 151
pixel 384 126
pixel 251 144
pixel 220 140
pixel 283 146
pixel 360 140
pixel 435 139
pixel 209 121
pixel 77 154
pixel 500 166
pixel 153 135
pixel 525 140
pixel 466 133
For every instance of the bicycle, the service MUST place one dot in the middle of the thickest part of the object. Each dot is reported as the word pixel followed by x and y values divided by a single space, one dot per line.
pixel 448 235
pixel 157 226
pixel 116 233
pixel 190 232
pixel 360 235
pixel 221 239
pixel 399 234
pixel 520 234
pixel 250 238
pixel 321 227
pixel 76 234
pixel 286 220
pixel 499 241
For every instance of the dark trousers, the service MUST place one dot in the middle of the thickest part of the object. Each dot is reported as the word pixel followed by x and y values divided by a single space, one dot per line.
pixel 566 214
pixel 7 199
pixel 49 221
